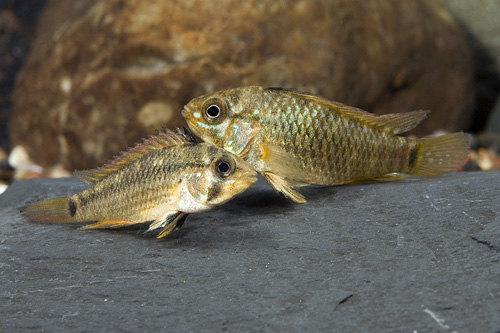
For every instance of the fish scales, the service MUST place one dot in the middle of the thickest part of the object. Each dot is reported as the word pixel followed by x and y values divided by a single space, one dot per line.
pixel 137 191
pixel 295 138
pixel 332 148
pixel 160 181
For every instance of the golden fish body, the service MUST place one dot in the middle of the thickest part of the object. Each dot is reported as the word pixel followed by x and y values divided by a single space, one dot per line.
pixel 295 138
pixel 160 180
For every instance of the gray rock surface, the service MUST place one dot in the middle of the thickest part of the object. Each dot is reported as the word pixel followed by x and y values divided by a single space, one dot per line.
pixel 414 255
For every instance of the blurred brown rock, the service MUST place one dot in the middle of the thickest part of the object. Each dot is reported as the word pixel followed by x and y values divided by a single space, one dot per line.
pixel 17 20
pixel 103 74
pixel 479 19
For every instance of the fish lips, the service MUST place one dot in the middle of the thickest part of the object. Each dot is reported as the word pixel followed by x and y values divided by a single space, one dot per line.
pixel 192 122
pixel 243 186
pixel 184 112
pixel 187 114
pixel 251 178
pixel 245 181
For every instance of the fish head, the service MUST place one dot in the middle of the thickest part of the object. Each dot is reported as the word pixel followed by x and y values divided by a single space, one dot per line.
pixel 226 176
pixel 221 118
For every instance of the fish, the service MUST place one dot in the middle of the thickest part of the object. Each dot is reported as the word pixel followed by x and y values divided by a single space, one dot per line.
pixel 295 139
pixel 160 180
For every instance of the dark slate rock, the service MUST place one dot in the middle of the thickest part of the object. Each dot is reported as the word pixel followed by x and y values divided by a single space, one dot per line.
pixel 414 255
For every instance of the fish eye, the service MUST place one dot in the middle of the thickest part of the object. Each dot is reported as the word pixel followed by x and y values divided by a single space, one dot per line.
pixel 213 111
pixel 225 166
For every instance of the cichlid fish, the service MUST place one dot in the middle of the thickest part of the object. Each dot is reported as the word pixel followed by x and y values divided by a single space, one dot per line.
pixel 161 180
pixel 294 139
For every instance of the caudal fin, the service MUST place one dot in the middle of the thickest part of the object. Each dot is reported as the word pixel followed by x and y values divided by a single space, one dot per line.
pixel 440 154
pixel 55 210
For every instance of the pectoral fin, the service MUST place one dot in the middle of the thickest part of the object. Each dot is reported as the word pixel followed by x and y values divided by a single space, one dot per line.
pixel 170 221
pixel 278 161
pixel 284 186
pixel 108 225
pixel 175 224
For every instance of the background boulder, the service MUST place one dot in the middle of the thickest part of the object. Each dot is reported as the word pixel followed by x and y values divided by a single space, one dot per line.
pixel 479 19
pixel 102 74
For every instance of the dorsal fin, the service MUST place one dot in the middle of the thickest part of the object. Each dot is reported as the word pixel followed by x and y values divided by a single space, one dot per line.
pixel 394 123
pixel 186 134
pixel 400 122
pixel 160 140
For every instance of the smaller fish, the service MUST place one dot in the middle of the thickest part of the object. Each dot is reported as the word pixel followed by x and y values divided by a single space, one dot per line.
pixel 160 180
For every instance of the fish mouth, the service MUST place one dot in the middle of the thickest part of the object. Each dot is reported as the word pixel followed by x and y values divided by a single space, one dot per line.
pixel 184 112
pixel 187 114
pixel 251 178
pixel 245 182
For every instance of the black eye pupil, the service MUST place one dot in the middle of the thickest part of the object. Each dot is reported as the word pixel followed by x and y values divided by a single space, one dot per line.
pixel 213 111
pixel 223 167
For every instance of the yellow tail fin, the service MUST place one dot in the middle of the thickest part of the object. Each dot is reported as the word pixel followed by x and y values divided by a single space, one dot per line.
pixel 55 210
pixel 440 154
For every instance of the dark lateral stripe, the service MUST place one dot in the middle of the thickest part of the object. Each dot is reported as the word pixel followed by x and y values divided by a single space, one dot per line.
pixel 175 167
pixel 412 159
pixel 72 207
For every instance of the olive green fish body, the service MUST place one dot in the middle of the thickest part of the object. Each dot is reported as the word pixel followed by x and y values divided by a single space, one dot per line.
pixel 295 138
pixel 146 187
pixel 159 181
pixel 328 147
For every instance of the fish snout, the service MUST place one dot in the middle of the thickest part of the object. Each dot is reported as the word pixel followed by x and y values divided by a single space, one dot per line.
pixel 188 114
pixel 184 112
pixel 252 180
pixel 249 177
pixel 244 181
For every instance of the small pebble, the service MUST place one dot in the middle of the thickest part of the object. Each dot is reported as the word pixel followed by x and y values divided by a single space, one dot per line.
pixel 23 165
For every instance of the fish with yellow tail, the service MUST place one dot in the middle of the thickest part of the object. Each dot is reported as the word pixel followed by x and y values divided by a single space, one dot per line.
pixel 160 180
pixel 295 139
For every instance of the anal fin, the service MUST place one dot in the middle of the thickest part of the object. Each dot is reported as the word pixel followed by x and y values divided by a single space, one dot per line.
pixel 108 225
pixel 284 186
pixel 392 176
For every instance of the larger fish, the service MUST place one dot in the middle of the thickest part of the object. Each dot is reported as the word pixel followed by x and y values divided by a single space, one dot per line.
pixel 159 180
pixel 295 138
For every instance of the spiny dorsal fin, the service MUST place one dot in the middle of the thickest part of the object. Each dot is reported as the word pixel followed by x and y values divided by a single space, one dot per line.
pixel 394 123
pixel 186 134
pixel 397 123
pixel 160 140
